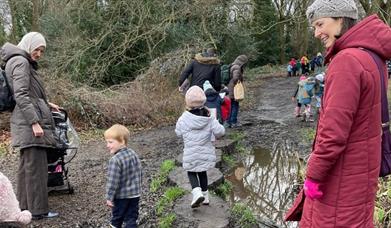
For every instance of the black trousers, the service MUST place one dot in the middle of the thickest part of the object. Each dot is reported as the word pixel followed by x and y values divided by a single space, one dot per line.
pixel 125 211
pixel 198 179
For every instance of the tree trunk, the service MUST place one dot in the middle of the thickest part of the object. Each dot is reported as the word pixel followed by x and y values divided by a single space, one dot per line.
pixel 36 14
pixel 282 44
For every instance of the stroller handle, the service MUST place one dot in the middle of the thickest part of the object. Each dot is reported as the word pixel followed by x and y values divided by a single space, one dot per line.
pixel 62 114
pixel 65 113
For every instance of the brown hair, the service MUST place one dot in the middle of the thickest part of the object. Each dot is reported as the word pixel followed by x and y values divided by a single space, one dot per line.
pixel 118 132
pixel 347 23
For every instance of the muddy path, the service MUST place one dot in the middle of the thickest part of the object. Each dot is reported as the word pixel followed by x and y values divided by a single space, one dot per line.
pixel 269 120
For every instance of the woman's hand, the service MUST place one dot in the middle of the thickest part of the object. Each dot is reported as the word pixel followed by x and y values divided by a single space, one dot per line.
pixel 54 107
pixel 37 130
pixel 311 189
pixel 109 203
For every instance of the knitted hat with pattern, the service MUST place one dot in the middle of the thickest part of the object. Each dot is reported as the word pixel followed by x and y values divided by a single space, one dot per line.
pixel 332 8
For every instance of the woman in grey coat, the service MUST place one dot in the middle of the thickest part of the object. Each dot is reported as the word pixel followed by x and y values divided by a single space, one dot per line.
pixel 32 125
pixel 196 127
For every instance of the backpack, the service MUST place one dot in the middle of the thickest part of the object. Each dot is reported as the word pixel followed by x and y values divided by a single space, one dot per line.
pixel 7 101
pixel 309 88
pixel 385 163
pixel 225 74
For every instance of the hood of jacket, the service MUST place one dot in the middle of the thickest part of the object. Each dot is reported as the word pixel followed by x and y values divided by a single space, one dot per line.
pixel 195 122
pixel 371 33
pixel 211 95
pixel 206 60
pixel 9 50
pixel 240 60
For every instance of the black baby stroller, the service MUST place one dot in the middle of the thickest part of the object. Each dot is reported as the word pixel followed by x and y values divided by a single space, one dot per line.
pixel 65 151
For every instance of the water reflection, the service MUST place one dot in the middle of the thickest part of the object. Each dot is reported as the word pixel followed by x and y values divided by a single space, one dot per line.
pixel 265 181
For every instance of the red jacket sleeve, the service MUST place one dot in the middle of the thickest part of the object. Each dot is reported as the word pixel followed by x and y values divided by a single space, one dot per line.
pixel 340 103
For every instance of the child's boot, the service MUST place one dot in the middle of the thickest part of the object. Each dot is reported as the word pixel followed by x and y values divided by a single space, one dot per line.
pixel 297 111
pixel 206 196
pixel 197 197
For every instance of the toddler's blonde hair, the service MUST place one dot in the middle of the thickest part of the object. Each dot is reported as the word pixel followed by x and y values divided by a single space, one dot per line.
pixel 118 132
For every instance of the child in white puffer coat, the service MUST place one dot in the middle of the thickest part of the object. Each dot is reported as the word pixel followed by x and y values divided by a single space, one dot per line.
pixel 9 205
pixel 196 127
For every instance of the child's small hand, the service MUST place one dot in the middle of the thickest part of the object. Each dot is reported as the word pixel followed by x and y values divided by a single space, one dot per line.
pixel 109 203
pixel 293 99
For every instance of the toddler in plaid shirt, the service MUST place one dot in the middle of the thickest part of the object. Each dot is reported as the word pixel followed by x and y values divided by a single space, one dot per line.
pixel 124 174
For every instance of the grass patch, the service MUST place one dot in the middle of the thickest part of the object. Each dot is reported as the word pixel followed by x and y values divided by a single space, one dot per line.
pixel 161 177
pixel 243 216
pixel 308 134
pixel 382 215
pixel 167 221
pixel 224 189
pixel 236 136
pixel 168 199
pixel 229 160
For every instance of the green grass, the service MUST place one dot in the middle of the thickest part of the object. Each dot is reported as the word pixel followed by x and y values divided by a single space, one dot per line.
pixel 161 177
pixel 168 199
pixel 167 221
pixel 243 216
pixel 224 189
pixel 229 160
pixel 236 136
pixel 308 134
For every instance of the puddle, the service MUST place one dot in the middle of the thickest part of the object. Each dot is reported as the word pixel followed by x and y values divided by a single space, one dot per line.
pixel 266 181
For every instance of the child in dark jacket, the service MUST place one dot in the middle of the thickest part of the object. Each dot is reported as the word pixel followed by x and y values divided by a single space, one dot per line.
pixel 213 100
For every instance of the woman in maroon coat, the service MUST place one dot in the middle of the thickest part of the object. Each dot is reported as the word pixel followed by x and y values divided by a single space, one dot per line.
pixel 343 168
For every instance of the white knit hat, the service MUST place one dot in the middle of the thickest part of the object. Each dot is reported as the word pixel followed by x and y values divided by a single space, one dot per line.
pixel 332 8
pixel 32 41
pixel 207 85
pixel 195 97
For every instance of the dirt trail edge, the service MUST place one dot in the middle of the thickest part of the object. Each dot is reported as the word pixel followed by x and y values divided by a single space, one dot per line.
pixel 270 119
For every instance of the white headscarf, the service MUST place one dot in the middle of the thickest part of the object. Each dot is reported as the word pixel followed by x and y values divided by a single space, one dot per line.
pixel 32 41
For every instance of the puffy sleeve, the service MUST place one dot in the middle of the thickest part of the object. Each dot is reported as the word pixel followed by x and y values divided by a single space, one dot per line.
pixel 21 85
pixel 217 128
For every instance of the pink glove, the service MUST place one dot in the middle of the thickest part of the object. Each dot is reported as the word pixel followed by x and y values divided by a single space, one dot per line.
pixel 311 189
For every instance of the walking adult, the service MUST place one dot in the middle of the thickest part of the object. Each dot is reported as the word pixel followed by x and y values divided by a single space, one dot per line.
pixel 343 168
pixel 304 64
pixel 32 125
pixel 237 69
pixel 205 66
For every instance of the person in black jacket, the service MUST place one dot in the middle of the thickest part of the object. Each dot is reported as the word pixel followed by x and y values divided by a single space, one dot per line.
pixel 205 66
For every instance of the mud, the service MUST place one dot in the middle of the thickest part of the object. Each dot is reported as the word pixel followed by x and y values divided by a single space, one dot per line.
pixel 269 120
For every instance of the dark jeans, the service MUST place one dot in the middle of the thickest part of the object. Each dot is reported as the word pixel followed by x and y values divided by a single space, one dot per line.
pixel 125 211
pixel 233 117
pixel 198 179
